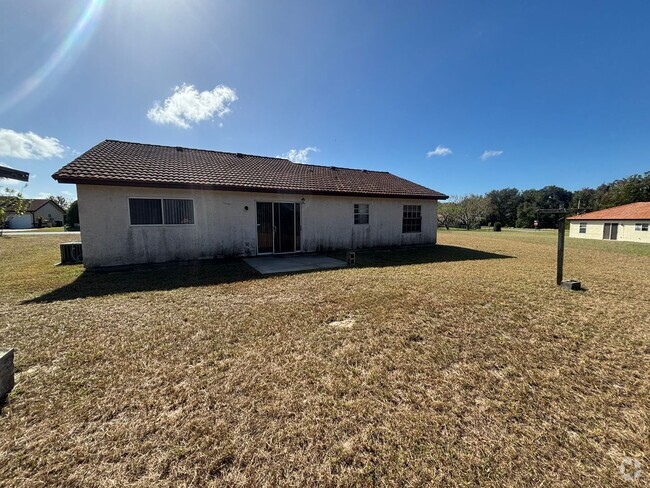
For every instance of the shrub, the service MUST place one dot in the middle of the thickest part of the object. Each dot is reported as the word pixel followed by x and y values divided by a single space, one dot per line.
pixel 497 227
pixel 72 215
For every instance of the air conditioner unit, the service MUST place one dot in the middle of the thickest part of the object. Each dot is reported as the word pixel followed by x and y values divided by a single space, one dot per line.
pixel 71 253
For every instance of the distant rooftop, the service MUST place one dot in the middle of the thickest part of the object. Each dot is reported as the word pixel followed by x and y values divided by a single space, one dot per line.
pixel 135 164
pixel 34 203
pixel 631 211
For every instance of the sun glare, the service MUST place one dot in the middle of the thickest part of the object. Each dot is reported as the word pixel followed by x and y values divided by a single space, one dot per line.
pixel 69 47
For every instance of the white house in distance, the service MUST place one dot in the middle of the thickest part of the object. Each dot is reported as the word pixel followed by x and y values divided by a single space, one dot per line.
pixel 142 203
pixel 625 223
pixel 40 212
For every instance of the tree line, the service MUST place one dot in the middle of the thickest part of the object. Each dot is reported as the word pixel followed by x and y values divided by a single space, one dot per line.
pixel 511 207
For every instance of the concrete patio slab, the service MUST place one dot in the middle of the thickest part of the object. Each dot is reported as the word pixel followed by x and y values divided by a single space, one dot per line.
pixel 292 263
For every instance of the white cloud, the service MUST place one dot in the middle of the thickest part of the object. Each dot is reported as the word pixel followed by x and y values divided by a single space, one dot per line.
pixel 300 156
pixel 188 105
pixel 13 184
pixel 490 153
pixel 27 145
pixel 67 193
pixel 439 151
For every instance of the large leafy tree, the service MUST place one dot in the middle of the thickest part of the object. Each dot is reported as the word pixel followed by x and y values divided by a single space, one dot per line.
pixel 72 215
pixel 472 210
pixel 448 214
pixel 635 188
pixel 585 199
pixel 61 201
pixel 11 201
pixel 527 209
pixel 504 205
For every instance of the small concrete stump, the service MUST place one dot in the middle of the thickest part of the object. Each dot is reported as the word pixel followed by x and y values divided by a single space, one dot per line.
pixel 572 285
pixel 351 258
pixel 6 373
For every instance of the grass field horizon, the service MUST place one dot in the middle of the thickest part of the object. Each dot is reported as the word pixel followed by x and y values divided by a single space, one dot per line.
pixel 456 365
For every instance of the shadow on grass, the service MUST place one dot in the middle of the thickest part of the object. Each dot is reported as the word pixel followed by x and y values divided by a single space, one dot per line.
pixel 143 278
pixel 419 255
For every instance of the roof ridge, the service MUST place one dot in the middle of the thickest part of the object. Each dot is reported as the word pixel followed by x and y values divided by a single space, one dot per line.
pixel 196 149
pixel 250 155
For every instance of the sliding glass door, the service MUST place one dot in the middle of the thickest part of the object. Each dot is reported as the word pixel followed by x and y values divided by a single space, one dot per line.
pixel 278 227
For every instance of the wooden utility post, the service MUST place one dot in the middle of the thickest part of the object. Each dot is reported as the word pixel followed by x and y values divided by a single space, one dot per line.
pixel 561 228
pixel 560 249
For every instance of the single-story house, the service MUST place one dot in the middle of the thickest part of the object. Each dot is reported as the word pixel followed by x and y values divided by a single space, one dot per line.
pixel 143 203
pixel 40 212
pixel 625 223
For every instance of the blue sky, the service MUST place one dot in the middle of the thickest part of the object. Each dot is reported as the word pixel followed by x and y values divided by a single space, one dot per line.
pixel 559 92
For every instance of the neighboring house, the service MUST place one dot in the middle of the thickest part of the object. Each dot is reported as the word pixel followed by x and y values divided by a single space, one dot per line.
pixel 625 223
pixel 141 203
pixel 41 211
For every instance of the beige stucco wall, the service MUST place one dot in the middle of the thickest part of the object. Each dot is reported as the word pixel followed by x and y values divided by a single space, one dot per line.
pixel 48 209
pixel 223 226
pixel 626 230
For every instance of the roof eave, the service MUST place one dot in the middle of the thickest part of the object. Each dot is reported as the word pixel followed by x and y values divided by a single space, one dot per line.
pixel 194 186
pixel 608 218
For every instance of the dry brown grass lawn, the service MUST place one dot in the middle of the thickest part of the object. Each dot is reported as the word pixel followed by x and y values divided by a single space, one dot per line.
pixel 428 366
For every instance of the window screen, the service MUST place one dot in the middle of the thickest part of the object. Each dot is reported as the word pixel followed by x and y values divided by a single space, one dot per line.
pixel 145 211
pixel 412 219
pixel 178 211
pixel 361 213
pixel 583 227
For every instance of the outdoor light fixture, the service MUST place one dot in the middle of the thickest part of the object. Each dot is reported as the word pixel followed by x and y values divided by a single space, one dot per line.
pixel 302 200
pixel 245 207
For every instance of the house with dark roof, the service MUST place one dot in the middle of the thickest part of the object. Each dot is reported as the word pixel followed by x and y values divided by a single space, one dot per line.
pixel 142 203
pixel 624 223
pixel 41 212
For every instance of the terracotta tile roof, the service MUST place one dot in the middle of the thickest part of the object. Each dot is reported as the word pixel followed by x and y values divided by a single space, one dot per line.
pixel 134 164
pixel 631 211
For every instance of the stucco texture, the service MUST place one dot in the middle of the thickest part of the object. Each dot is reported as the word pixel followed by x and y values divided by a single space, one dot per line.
pixel 223 226
pixel 626 230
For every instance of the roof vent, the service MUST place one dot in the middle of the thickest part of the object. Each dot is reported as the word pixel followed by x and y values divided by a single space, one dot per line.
pixel 240 155
pixel 179 148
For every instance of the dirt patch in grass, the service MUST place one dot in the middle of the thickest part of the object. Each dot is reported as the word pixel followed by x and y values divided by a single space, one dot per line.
pixel 455 370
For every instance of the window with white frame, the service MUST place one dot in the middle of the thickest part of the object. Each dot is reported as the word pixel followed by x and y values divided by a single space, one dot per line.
pixel 583 227
pixel 361 213
pixel 641 227
pixel 412 219
pixel 161 211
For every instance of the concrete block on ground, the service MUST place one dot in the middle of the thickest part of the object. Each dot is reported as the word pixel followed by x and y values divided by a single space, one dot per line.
pixel 6 373
pixel 571 285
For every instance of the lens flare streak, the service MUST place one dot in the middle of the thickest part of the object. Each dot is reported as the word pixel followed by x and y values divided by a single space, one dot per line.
pixel 74 41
